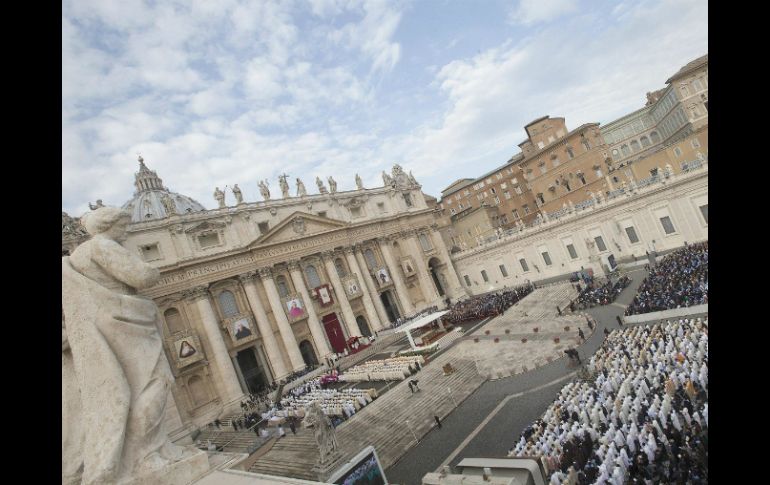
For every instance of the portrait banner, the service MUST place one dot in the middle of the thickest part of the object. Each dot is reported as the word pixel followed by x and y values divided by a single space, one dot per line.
pixel 294 307
pixel 383 277
pixel 352 286
pixel 241 330
pixel 187 350
pixel 324 295
pixel 407 264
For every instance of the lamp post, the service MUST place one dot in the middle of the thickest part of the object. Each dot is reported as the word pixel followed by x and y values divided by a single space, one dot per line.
pixel 449 391
pixel 412 431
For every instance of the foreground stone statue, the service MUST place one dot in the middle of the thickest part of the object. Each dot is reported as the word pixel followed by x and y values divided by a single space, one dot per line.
pixel 113 421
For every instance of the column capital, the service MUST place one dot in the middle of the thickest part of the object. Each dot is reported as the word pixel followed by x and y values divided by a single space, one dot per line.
pixel 293 265
pixel 327 256
pixel 247 277
pixel 351 249
pixel 386 240
pixel 434 226
pixel 266 272
pixel 196 293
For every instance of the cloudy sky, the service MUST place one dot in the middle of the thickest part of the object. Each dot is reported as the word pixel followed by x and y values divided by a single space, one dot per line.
pixel 217 92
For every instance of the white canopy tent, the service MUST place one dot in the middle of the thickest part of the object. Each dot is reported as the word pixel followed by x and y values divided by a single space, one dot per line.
pixel 421 322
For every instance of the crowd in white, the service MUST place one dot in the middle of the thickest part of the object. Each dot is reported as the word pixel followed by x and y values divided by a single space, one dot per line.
pixel 340 403
pixel 393 369
pixel 644 419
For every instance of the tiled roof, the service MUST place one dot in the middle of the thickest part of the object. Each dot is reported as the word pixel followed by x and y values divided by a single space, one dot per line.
pixel 690 66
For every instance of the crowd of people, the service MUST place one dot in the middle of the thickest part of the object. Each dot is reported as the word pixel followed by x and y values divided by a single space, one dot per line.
pixel 483 306
pixel 594 294
pixel 392 369
pixel 406 320
pixel 681 279
pixel 340 404
pixel 642 420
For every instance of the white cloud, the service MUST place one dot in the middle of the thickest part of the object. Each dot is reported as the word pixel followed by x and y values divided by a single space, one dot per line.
pixel 533 11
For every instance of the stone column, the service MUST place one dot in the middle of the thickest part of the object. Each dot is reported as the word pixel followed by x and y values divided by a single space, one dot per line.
pixel 316 330
pixel 372 315
pixel 457 288
pixel 429 290
pixel 287 334
pixel 228 379
pixel 342 296
pixel 356 256
pixel 403 293
pixel 265 329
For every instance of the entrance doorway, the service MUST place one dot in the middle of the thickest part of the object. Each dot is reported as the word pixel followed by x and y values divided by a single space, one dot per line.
pixel 334 332
pixel 390 305
pixel 363 327
pixel 308 354
pixel 252 373
pixel 433 264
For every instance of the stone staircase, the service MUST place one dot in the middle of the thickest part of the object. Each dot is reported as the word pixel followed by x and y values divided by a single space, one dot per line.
pixel 232 441
pixel 382 423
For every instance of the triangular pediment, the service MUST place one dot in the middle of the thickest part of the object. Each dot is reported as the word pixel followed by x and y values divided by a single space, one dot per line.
pixel 206 226
pixel 299 225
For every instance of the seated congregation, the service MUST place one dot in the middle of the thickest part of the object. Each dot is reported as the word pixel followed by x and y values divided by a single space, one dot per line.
pixel 483 306
pixel 681 279
pixel 393 369
pixel 595 294
pixel 643 419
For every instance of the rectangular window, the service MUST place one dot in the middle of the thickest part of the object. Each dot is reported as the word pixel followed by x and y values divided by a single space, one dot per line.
pixel 668 227
pixel 453 211
pixel 517 189
pixel 677 152
pixel 515 213
pixel 484 276
pixel 264 227
pixel 540 144
pixel 571 251
pixel 632 235
pixel 489 181
pixel 503 185
pixel 150 252
pixel 704 209
pixel 457 197
pixel 503 271
pixel 381 206
pixel 467 280
pixel 695 143
pixel 408 200
pixel 497 200
pixel 499 176
pixel 547 258
pixel 425 242
pixel 526 209
pixel 523 264
pixel 492 190
pixel 504 219
pixel 320 214
pixel 507 194
pixel 479 196
pixel 355 212
pixel 208 240
pixel 600 243
pixel 465 192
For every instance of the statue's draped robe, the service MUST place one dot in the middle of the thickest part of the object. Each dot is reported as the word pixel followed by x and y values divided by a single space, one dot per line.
pixel 122 375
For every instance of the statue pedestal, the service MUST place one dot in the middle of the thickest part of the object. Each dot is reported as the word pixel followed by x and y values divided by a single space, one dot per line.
pixel 323 472
pixel 182 472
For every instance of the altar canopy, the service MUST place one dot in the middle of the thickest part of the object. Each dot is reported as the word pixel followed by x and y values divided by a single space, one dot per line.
pixel 419 323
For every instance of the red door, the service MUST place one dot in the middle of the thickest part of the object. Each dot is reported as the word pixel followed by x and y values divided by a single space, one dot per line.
pixel 334 332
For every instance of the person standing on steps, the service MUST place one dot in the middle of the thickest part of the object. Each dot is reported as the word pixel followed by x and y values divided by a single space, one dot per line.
pixel 438 421
pixel 620 321
pixel 293 427
pixel 558 310
pixel 581 334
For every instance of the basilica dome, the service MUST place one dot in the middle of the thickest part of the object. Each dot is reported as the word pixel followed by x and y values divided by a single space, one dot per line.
pixel 154 201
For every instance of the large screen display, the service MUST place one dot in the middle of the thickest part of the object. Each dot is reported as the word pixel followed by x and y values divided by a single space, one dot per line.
pixel 363 469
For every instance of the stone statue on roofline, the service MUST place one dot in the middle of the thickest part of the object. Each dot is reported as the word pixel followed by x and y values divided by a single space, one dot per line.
pixel 301 191
pixel 386 179
pixel 238 194
pixel 168 205
pixel 284 185
pixel 220 197
pixel 320 184
pixel 359 183
pixel 332 185
pixel 264 190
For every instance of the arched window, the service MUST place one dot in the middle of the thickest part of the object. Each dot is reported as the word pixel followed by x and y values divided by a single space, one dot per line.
pixel 227 304
pixel 616 154
pixel 174 320
pixel 312 276
pixel 655 137
pixel 484 275
pixel 626 151
pixel 635 146
pixel 371 261
pixel 570 153
pixel 283 288
pixel 586 145
pixel 685 92
pixel 425 242
pixel 645 141
pixel 341 271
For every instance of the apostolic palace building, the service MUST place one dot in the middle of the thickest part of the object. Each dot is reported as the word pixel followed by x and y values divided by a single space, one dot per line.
pixel 251 292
